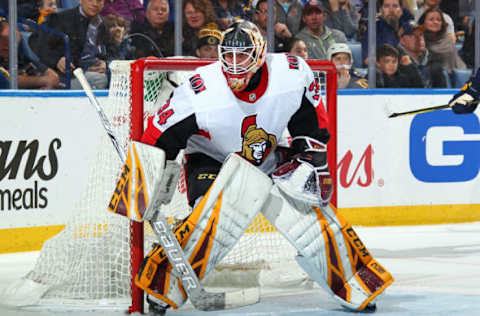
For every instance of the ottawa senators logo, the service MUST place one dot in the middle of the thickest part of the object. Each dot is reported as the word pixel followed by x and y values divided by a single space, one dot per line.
pixel 257 143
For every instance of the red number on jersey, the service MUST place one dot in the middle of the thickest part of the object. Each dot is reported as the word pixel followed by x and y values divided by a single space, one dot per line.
pixel 315 87
pixel 163 114
pixel 163 117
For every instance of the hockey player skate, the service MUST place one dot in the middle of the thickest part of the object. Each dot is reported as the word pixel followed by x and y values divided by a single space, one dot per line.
pixel 371 308
pixel 156 307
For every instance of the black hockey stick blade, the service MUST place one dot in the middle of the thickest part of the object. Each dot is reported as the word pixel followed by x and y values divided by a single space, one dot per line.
pixel 424 110
pixel 430 109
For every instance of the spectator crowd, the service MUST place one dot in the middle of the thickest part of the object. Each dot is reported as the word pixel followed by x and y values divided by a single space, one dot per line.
pixel 420 43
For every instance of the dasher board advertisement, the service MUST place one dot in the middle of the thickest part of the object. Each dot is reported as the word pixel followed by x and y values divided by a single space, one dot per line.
pixel 46 143
pixel 411 169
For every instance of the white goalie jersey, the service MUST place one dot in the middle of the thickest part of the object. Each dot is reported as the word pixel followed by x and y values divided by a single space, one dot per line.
pixel 249 123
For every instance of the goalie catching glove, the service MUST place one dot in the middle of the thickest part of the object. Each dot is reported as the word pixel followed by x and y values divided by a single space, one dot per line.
pixel 313 153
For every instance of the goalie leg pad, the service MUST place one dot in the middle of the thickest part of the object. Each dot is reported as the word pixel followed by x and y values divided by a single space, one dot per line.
pixel 155 277
pixel 145 177
pixel 329 250
pixel 210 231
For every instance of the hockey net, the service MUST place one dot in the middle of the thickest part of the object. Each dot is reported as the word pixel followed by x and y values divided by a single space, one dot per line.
pixel 92 261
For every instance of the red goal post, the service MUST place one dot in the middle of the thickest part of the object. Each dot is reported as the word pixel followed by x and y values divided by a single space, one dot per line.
pixel 138 68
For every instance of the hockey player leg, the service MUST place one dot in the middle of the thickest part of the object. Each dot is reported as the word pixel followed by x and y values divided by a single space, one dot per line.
pixel 358 276
pixel 329 250
pixel 211 230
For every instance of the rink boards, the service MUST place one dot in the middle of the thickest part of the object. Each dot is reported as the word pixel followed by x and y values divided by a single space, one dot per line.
pixel 407 170
pixel 420 169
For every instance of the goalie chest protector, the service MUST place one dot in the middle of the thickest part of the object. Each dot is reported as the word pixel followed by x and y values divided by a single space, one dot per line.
pixel 250 126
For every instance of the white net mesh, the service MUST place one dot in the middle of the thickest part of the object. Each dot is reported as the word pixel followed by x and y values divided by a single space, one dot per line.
pixel 90 259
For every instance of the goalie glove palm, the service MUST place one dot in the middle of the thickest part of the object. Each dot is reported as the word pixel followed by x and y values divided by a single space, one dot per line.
pixel 314 154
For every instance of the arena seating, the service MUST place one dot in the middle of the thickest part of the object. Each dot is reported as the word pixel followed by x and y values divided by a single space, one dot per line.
pixel 356 54
pixel 460 76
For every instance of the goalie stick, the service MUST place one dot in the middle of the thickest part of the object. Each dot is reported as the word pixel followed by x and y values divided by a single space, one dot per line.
pixel 430 109
pixel 200 298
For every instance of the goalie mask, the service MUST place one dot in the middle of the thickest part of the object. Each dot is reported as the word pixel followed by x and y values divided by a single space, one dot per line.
pixel 242 52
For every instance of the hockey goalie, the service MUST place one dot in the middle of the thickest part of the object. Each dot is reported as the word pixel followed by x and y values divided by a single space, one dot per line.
pixel 229 117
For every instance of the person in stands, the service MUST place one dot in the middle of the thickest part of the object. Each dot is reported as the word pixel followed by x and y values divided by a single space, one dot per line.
pixel 341 55
pixel 392 74
pixel 412 49
pixel 316 34
pixel 392 14
pixel 282 34
pixel 208 40
pixel 88 36
pixel 297 47
pixel 196 15
pixel 154 36
pixel 31 74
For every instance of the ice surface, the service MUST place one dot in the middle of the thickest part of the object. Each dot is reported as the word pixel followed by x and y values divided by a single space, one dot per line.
pixel 436 270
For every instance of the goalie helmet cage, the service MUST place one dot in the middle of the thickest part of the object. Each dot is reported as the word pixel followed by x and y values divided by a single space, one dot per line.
pixel 138 69
pixel 93 261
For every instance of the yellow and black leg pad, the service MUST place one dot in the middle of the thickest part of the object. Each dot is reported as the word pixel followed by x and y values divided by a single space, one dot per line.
pixel 210 231
pixel 329 250
pixel 145 175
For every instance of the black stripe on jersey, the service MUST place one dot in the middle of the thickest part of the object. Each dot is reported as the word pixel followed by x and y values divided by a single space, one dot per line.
pixel 305 123
pixel 175 137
